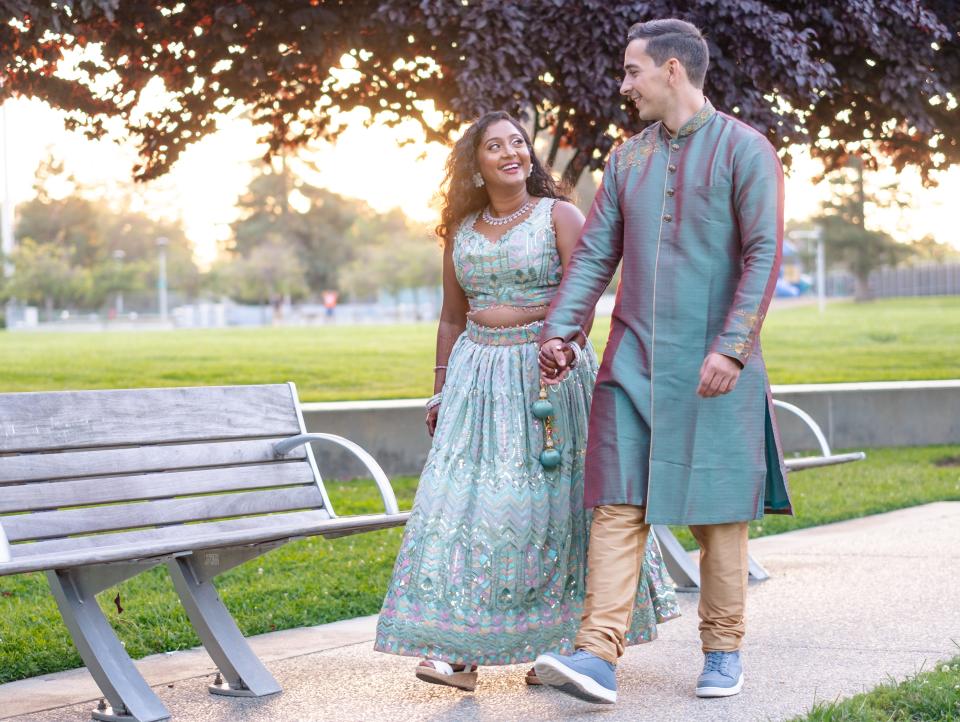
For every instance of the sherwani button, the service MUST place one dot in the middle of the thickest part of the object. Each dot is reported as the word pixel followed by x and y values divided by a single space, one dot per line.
pixel 667 218
pixel 672 168
pixel 674 147
pixel 670 192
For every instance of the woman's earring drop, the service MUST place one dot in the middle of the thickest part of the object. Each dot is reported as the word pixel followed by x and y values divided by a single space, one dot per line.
pixel 478 180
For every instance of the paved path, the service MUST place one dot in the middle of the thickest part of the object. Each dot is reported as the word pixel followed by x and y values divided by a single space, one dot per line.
pixel 848 605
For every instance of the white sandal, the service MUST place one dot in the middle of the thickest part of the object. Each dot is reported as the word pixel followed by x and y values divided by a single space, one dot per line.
pixel 436 672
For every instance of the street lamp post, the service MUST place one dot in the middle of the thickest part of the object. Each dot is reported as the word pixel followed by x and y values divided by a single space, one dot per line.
pixel 118 256
pixel 816 234
pixel 162 243
pixel 6 216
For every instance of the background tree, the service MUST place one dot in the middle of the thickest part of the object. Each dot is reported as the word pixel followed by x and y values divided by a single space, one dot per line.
pixel 90 233
pixel 45 276
pixel 873 77
pixel 317 234
pixel 929 250
pixel 392 256
pixel 847 241
pixel 269 274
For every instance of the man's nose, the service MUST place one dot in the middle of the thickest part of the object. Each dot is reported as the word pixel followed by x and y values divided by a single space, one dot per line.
pixel 624 87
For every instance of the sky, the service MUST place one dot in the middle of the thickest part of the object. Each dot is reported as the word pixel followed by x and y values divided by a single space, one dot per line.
pixel 365 163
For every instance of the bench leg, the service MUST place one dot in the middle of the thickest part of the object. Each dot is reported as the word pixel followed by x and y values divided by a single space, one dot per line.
pixel 129 695
pixel 245 675
pixel 683 570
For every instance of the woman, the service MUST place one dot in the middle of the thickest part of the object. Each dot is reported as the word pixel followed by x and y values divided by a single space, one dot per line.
pixel 491 568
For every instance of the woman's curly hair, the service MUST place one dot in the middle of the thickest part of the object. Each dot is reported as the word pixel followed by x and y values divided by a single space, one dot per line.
pixel 459 193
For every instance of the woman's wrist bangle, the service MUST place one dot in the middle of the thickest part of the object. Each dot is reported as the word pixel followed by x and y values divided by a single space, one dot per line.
pixel 439 368
pixel 577 353
pixel 434 401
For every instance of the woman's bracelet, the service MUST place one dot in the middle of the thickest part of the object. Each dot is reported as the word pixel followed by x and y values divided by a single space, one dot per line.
pixel 577 353
pixel 434 401
pixel 439 368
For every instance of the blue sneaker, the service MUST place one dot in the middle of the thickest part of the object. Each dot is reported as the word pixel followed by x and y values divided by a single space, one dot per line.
pixel 582 674
pixel 722 675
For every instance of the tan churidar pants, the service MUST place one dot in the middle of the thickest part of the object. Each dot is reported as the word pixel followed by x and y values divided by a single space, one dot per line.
pixel 618 537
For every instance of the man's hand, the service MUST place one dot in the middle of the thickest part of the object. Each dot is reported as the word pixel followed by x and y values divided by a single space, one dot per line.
pixel 718 375
pixel 554 359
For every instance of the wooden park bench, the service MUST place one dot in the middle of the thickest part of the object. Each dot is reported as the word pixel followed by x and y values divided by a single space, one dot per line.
pixel 99 486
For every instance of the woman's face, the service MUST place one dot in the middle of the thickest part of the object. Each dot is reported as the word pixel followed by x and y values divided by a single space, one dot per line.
pixel 502 156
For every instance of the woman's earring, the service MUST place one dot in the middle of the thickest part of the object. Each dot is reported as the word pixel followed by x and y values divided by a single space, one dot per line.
pixel 478 180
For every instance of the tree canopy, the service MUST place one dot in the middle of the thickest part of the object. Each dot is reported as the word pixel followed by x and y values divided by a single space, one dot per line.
pixel 875 77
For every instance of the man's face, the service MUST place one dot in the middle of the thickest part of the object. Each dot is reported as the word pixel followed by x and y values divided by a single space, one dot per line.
pixel 645 84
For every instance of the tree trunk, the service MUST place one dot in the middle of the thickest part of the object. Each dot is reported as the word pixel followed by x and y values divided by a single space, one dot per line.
pixel 48 308
pixel 575 167
pixel 557 137
pixel 861 288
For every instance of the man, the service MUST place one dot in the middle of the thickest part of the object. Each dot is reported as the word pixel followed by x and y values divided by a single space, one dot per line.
pixel 682 428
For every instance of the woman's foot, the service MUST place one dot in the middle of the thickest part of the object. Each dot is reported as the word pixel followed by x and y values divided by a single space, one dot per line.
pixel 457 675
pixel 531 678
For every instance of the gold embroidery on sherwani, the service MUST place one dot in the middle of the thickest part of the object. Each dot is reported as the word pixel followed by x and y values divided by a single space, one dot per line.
pixel 698 120
pixel 742 325
pixel 636 149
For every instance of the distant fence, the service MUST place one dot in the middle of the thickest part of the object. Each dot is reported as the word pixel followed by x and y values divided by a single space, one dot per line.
pixel 934 279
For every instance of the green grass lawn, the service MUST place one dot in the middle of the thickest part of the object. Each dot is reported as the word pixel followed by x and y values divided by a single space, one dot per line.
pixel 886 340
pixel 931 696
pixel 316 581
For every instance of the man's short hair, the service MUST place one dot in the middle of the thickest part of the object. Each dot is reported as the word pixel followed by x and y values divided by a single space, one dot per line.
pixel 673 38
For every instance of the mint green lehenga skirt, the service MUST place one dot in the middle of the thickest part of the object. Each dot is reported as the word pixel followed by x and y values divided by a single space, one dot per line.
pixel 492 565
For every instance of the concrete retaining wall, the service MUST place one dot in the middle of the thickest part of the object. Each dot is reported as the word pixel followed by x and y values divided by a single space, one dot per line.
pixel 852 416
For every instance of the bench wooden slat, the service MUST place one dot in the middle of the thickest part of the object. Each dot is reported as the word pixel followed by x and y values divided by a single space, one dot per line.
pixel 45 466
pixel 274 527
pixel 146 539
pixel 82 419
pixel 105 490
pixel 51 524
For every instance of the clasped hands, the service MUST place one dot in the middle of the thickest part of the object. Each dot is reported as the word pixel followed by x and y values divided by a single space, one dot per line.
pixel 718 373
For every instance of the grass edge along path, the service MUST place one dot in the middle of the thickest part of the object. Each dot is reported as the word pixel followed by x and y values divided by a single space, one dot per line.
pixel 930 696
pixel 316 581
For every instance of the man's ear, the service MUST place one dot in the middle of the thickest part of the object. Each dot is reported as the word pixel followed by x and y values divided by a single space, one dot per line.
pixel 675 72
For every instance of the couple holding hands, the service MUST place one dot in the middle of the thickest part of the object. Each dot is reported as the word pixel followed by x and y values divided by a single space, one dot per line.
pixel 529 539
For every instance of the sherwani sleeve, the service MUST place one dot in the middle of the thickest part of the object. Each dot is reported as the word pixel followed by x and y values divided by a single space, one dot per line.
pixel 592 264
pixel 758 205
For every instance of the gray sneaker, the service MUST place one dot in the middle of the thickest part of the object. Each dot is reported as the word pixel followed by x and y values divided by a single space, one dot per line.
pixel 582 675
pixel 722 675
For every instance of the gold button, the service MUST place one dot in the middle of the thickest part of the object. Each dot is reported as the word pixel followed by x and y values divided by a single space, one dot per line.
pixel 667 218
pixel 672 168
pixel 674 147
pixel 670 192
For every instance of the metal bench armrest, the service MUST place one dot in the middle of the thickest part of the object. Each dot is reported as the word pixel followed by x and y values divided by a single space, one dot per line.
pixel 383 483
pixel 813 462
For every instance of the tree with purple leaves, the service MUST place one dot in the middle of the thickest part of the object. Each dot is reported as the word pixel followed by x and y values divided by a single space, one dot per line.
pixel 879 78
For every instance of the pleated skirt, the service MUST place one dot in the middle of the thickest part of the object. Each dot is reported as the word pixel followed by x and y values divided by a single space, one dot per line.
pixel 492 566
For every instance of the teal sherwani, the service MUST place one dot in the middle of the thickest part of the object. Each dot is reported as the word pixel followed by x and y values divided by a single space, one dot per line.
pixel 697 220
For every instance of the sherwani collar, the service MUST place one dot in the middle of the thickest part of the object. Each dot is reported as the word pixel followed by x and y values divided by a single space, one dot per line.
pixel 696 122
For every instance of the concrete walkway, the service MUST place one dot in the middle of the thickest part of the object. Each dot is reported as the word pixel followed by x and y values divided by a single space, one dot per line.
pixel 848 605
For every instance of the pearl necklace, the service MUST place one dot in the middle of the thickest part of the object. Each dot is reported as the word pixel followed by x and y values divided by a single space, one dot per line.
pixel 504 220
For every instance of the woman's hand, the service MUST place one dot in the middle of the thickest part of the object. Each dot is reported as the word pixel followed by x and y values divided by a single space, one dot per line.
pixel 554 360
pixel 432 415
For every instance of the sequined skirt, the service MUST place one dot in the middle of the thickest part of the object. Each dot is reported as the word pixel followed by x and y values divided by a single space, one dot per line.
pixel 492 565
